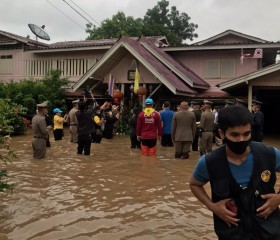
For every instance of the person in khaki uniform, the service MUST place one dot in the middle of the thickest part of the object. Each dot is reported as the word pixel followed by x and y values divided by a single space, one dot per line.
pixel 73 122
pixel 206 126
pixel 183 131
pixel 40 131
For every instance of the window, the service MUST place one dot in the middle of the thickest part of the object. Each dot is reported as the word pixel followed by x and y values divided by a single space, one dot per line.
pixel 6 64
pixel 220 68
pixel 213 68
pixel 227 68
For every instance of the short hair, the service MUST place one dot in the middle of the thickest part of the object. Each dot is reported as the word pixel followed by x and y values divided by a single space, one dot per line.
pixel 166 104
pixel 96 108
pixel 233 116
pixel 184 105
pixel 135 110
pixel 82 106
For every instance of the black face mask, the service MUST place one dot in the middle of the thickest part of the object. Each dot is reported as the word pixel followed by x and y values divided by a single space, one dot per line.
pixel 237 147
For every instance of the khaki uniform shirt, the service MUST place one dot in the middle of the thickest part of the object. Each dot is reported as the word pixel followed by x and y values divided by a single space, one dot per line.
pixel 39 127
pixel 207 120
pixel 72 117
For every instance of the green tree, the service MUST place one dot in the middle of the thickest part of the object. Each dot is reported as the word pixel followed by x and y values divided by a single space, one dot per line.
pixel 158 21
pixel 53 89
pixel 114 28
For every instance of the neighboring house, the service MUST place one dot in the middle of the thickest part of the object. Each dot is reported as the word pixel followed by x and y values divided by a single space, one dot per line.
pixel 209 69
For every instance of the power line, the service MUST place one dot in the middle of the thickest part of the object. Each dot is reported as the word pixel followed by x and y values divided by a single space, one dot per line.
pixel 85 13
pixel 78 13
pixel 66 15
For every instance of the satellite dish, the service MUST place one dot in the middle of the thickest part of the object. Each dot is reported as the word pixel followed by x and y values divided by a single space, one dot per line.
pixel 39 31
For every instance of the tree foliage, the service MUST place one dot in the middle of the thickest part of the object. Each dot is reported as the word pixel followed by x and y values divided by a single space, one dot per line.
pixel 7 122
pixel 29 92
pixel 158 21
pixel 117 26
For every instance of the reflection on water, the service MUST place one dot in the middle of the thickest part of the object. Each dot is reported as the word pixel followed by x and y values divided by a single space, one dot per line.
pixel 113 194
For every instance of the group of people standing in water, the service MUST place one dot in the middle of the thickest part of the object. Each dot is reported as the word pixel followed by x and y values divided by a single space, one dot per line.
pixel 88 123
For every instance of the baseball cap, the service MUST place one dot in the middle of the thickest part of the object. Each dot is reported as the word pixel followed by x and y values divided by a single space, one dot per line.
pixel 57 110
pixel 149 101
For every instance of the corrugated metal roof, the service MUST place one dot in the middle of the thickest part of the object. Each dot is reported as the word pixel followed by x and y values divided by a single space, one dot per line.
pixel 84 43
pixel 99 42
pixel 18 38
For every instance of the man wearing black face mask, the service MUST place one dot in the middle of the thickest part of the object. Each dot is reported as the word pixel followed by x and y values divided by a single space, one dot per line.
pixel 242 176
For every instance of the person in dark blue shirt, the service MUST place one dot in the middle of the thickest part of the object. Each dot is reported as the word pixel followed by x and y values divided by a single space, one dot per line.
pixel 257 121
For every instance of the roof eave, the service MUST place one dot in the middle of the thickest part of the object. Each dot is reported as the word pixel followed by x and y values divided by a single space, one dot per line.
pixel 222 47
pixel 49 50
pixel 248 77
pixel 182 93
pixel 228 32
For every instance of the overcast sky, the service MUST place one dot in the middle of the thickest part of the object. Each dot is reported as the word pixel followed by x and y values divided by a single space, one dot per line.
pixel 257 18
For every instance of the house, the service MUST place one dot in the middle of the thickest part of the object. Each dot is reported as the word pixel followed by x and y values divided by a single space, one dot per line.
pixel 226 66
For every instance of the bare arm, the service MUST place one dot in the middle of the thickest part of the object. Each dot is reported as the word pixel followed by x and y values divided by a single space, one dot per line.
pixel 218 208
pixel 199 192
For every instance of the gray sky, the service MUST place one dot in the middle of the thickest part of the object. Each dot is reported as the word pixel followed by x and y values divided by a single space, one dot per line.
pixel 257 18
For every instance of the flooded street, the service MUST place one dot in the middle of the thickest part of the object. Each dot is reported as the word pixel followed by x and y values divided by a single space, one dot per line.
pixel 113 194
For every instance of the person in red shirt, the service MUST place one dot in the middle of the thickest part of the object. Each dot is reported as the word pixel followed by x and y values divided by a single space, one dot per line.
pixel 149 128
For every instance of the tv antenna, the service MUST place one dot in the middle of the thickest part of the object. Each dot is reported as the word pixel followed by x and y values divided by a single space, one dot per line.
pixel 39 31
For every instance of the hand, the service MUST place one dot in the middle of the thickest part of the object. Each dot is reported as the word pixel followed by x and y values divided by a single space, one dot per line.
pixel 272 203
pixel 219 208
pixel 139 138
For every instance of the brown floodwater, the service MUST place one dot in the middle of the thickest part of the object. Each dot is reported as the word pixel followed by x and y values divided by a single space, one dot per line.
pixel 113 194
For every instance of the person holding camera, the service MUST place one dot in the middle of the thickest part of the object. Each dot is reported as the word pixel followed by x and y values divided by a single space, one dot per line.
pixel 58 122
pixel 84 129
